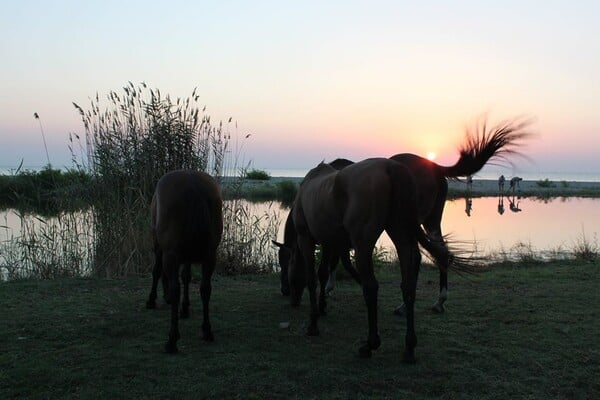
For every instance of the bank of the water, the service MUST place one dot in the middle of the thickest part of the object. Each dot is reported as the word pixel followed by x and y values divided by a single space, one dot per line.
pixel 268 189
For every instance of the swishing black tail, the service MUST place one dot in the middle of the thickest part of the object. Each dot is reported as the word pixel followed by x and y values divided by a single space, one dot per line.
pixel 446 259
pixel 484 144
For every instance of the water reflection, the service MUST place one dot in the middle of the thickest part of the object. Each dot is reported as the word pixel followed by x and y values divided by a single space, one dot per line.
pixel 543 225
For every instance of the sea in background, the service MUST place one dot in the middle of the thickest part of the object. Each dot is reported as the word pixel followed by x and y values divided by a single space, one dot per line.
pixel 486 173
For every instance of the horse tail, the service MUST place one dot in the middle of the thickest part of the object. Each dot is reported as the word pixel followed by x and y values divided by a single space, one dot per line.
pixel 436 249
pixel 485 144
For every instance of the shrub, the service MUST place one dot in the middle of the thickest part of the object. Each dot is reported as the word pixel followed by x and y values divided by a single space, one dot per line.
pixel 286 192
pixel 545 183
pixel 584 249
pixel 258 175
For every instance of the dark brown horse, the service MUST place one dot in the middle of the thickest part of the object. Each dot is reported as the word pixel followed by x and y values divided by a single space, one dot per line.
pixel 350 208
pixel 432 185
pixel 328 260
pixel 187 225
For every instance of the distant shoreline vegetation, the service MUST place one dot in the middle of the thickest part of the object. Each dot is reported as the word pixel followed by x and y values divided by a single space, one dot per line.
pixel 45 190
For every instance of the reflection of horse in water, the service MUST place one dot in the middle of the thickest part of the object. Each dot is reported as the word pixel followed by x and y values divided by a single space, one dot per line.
pixel 514 205
pixel 501 204
pixel 468 206
pixel 501 183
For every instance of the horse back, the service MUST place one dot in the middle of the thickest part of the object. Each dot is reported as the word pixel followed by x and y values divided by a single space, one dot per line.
pixel 187 215
pixel 316 211
pixel 376 191
pixel 431 185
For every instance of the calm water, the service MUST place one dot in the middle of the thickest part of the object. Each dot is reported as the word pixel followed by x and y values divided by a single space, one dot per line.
pixel 544 227
pixel 486 173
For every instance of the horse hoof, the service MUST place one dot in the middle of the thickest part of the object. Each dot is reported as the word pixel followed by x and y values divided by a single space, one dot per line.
pixel 171 348
pixel 409 358
pixel 374 343
pixel 365 351
pixel 399 310
pixel 151 305
pixel 208 337
pixel 438 308
pixel 312 331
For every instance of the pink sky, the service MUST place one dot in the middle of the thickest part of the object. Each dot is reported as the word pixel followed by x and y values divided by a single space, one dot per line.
pixel 314 80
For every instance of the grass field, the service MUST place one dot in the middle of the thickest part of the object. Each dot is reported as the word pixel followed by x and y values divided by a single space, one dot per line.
pixel 513 332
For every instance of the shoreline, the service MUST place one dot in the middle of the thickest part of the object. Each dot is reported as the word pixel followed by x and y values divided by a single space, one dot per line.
pixel 479 188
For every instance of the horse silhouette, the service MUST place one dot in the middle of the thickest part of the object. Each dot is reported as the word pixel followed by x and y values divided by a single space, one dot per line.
pixel 350 208
pixel 431 182
pixel 187 225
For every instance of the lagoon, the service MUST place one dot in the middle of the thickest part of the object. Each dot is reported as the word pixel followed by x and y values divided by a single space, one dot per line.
pixel 549 228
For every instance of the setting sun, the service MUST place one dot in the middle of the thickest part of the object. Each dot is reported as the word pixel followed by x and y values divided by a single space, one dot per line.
pixel 431 156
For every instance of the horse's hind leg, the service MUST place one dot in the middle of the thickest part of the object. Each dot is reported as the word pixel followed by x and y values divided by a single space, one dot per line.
pixel 208 268
pixel 438 306
pixel 410 261
pixel 171 267
pixel 157 272
pixel 370 288
pixel 186 277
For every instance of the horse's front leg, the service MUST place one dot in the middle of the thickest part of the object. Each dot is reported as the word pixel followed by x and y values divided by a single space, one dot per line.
pixel 345 257
pixel 333 260
pixel 208 268
pixel 157 272
pixel 186 277
pixel 307 248
pixel 171 267
pixel 324 274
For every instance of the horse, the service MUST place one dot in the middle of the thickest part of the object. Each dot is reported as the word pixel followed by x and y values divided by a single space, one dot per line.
pixel 350 208
pixel 480 146
pixel 289 238
pixel 501 181
pixel 187 225
pixel 514 183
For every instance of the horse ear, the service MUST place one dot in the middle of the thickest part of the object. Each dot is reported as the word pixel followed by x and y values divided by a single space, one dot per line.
pixel 277 243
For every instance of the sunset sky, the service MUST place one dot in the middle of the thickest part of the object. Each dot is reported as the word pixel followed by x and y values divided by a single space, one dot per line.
pixel 313 80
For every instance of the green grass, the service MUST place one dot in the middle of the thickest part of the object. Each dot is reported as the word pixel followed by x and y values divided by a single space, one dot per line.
pixel 513 332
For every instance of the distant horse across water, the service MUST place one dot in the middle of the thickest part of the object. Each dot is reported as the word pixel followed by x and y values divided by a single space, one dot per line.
pixel 514 183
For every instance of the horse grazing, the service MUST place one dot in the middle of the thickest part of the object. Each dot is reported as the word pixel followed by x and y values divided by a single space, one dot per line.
pixel 431 179
pixel 187 224
pixel 328 259
pixel 350 208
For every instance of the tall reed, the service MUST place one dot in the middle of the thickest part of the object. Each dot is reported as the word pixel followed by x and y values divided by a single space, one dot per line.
pixel 130 144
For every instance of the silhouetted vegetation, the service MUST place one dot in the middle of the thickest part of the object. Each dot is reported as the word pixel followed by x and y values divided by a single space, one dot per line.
pixel 258 175
pixel 47 192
